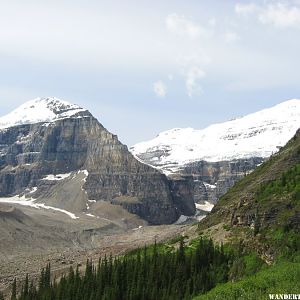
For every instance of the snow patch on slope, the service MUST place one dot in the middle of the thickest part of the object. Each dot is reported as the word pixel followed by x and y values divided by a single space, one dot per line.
pixel 86 174
pixel 258 134
pixel 31 203
pixel 57 177
pixel 39 110
pixel 181 219
pixel 207 206
pixel 91 215
pixel 209 186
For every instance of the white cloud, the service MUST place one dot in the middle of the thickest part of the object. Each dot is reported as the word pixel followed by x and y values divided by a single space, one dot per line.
pixel 160 89
pixel 192 69
pixel 278 14
pixel 182 26
pixel 230 36
pixel 192 83
pixel 245 9
pixel 281 15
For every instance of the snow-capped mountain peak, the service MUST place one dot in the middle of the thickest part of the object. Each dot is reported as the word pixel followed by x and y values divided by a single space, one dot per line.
pixel 43 109
pixel 255 135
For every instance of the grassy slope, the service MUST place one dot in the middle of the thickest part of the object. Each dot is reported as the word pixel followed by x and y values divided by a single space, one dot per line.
pixel 278 279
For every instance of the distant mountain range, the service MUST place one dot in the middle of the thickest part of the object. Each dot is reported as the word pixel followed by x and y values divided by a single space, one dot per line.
pixel 55 155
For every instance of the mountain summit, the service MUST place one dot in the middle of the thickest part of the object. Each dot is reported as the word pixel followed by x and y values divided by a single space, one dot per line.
pixel 45 109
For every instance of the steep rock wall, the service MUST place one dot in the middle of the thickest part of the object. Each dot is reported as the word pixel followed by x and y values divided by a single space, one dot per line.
pixel 30 152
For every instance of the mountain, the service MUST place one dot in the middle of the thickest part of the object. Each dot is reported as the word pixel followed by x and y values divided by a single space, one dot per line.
pixel 42 110
pixel 57 156
pixel 255 135
pixel 263 209
pixel 221 154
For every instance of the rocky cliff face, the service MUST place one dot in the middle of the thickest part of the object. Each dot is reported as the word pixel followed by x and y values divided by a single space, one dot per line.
pixel 30 152
pixel 182 188
pixel 214 179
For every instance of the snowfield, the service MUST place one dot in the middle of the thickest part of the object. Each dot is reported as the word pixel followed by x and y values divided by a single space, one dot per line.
pixel 41 110
pixel 258 134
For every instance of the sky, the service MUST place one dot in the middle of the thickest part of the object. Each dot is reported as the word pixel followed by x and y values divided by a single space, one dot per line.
pixel 142 67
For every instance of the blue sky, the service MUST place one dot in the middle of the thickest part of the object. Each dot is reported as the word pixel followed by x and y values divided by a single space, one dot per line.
pixel 142 67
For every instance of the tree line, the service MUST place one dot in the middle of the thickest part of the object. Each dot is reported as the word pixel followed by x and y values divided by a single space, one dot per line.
pixel 154 272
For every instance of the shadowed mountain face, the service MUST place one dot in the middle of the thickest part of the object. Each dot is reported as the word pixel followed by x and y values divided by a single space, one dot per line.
pixel 71 140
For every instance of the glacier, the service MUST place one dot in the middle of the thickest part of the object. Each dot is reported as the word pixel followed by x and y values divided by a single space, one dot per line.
pixel 259 134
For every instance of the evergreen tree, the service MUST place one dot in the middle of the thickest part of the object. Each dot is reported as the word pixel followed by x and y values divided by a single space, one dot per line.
pixel 14 290
pixel 25 289
pixel 32 291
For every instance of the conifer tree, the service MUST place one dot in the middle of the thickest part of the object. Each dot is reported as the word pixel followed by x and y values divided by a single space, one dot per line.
pixel 32 291
pixel 25 289
pixel 14 290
